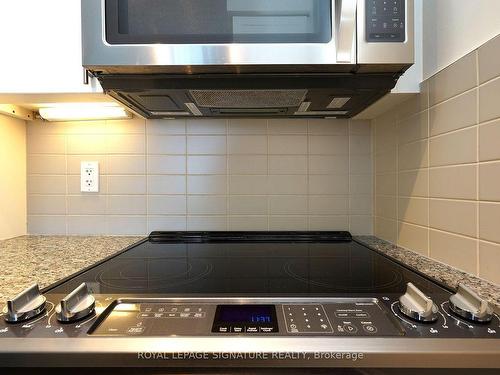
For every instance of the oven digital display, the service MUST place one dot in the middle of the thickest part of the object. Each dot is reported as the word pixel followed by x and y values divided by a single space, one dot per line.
pixel 245 318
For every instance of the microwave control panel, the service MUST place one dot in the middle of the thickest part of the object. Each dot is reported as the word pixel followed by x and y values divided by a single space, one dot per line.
pixel 385 21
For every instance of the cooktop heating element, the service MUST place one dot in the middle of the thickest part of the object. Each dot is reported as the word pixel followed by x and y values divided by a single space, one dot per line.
pixel 152 273
pixel 315 293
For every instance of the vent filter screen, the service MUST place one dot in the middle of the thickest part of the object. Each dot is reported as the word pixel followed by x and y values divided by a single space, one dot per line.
pixel 248 98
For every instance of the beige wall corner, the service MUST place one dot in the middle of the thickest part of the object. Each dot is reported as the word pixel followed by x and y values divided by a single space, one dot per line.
pixel 13 177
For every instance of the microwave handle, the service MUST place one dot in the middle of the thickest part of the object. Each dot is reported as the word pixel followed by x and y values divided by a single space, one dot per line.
pixel 346 31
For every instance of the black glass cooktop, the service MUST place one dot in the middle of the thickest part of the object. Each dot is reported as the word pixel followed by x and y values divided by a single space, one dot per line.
pixel 264 264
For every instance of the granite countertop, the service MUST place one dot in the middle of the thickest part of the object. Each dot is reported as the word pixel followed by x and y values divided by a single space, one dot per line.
pixel 447 275
pixel 47 259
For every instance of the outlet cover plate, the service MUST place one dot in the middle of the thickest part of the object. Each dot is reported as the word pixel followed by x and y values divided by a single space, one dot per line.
pixel 89 177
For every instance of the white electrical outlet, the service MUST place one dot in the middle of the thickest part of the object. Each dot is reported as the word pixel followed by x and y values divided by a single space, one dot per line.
pixel 89 177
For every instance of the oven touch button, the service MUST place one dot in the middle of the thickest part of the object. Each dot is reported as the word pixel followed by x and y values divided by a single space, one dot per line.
pixel 369 328
pixel 349 328
pixel 135 331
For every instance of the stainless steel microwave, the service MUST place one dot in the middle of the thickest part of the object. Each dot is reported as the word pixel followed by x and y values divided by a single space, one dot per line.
pixel 133 45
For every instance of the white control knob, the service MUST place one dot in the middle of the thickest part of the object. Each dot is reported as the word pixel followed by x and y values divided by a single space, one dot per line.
pixel 76 305
pixel 469 305
pixel 26 305
pixel 417 306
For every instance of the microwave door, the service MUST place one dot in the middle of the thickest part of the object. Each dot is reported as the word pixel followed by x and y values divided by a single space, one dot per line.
pixel 219 35
pixel 218 21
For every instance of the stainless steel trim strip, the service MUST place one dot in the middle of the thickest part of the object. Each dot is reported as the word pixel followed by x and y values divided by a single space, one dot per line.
pixel 377 352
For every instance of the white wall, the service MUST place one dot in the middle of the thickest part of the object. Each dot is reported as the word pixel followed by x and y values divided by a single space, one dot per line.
pixel 13 177
pixel 453 28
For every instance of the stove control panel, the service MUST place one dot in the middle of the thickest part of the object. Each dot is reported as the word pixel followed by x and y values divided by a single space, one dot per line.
pixel 381 316
pixel 340 318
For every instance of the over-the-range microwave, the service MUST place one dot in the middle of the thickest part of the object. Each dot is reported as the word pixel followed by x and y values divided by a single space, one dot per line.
pixel 292 58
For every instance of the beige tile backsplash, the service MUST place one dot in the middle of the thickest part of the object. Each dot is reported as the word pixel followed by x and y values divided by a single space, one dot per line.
pixel 488 96
pixel 453 182
pixel 437 166
pixel 242 174
pixel 489 134
pixel 457 78
pixel 456 113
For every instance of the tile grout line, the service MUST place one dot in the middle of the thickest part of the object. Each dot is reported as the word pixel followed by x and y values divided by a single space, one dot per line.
pixel 66 213
pixel 444 101
pixel 186 176
pixel 397 177
pixel 67 189
pixel 227 177
pixel 450 132
pixel 106 199
pixel 268 213
pixel 478 217
pixel 428 171
pixel 307 176
pixel 193 154
pixel 349 187
pixel 146 158
pixel 375 174
pixel 481 84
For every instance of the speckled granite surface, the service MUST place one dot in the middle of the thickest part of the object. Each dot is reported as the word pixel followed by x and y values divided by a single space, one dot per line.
pixel 47 259
pixel 446 274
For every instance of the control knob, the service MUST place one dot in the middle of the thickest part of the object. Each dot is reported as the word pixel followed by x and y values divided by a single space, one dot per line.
pixel 417 306
pixel 26 305
pixel 469 305
pixel 76 305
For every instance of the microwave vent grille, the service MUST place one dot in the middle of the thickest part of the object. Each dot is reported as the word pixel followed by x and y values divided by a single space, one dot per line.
pixel 248 98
